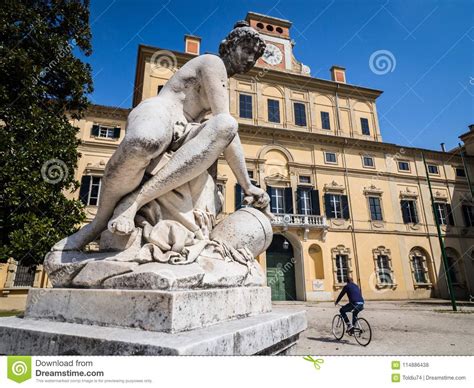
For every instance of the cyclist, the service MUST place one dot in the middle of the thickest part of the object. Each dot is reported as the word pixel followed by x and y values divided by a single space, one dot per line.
pixel 356 303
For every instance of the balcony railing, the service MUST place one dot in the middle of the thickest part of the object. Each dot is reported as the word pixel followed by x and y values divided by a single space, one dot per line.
pixel 307 221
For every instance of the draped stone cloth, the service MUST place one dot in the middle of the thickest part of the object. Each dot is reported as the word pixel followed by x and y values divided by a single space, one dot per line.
pixel 177 226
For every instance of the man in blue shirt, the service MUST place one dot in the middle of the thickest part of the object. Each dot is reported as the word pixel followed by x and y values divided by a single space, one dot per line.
pixel 356 303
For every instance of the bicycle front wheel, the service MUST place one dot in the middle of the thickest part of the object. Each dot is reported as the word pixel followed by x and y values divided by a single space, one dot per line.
pixel 338 327
pixel 362 332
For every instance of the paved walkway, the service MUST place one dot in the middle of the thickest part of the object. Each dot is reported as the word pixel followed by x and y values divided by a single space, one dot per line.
pixel 427 327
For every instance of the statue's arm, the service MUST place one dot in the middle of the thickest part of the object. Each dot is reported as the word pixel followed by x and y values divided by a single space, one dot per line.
pixel 234 155
pixel 214 80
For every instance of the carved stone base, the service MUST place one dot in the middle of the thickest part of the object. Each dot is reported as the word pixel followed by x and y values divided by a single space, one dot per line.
pixel 153 310
pixel 270 333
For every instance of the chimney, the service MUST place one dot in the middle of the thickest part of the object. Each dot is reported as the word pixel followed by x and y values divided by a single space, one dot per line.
pixel 443 147
pixel 471 127
pixel 338 74
pixel 192 44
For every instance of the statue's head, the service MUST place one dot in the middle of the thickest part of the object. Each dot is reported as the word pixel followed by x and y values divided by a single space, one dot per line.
pixel 241 48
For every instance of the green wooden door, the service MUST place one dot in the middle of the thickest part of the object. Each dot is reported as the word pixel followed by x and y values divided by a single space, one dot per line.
pixel 276 281
pixel 281 269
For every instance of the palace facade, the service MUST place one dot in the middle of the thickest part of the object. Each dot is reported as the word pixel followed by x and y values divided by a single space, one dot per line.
pixel 346 203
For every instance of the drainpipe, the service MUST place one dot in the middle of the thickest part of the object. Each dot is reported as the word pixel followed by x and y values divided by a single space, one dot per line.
pixel 351 215
pixel 337 111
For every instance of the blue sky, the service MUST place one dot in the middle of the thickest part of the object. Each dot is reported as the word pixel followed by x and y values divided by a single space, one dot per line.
pixel 428 94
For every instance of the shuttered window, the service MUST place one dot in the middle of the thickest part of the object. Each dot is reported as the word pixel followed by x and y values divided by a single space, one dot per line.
pixel 375 209
pixel 337 206
pixel 409 212
pixel 364 123
pixel 89 193
pixel 468 214
pixel 300 114
pixel 273 111
pixel 106 132
pixel 443 213
pixel 245 106
pixel 325 123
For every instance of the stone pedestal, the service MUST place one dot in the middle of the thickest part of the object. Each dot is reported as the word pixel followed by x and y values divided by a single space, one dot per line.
pixel 219 321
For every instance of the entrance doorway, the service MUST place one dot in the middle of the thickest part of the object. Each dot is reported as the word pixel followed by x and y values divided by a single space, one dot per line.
pixel 281 269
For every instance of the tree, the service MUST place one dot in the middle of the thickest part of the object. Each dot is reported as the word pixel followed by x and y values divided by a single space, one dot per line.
pixel 43 85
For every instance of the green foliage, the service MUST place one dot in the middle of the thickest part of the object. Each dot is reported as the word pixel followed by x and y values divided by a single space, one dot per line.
pixel 42 82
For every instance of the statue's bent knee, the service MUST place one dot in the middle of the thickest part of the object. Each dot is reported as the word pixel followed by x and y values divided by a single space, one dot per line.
pixel 226 126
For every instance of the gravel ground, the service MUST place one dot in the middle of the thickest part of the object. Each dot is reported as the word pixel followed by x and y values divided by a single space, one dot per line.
pixel 398 328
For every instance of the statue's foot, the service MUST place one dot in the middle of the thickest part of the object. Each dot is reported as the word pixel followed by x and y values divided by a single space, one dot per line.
pixel 76 241
pixel 123 220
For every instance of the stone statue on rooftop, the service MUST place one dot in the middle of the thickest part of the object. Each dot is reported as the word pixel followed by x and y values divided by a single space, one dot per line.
pixel 159 203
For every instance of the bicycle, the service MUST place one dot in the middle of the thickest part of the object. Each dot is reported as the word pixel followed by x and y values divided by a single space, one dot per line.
pixel 362 331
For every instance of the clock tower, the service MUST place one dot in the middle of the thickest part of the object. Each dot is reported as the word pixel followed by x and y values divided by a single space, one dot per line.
pixel 279 52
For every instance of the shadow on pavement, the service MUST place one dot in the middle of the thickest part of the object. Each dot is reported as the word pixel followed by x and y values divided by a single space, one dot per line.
pixel 331 340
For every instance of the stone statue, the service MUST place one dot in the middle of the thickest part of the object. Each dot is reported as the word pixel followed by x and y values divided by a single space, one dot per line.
pixel 169 265
pixel 159 204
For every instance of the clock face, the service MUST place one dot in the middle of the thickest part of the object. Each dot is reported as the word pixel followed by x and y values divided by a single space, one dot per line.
pixel 272 55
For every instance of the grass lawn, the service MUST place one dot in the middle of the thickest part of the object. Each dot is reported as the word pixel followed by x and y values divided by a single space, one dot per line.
pixel 10 313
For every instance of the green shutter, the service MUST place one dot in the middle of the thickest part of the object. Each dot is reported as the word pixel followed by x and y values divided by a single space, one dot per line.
pixel 95 130
pixel 405 213
pixel 449 210
pixel 288 200
pixel 299 201
pixel 117 133
pixel 315 202
pixel 238 196
pixel 84 190
pixel 345 207
pixel 327 205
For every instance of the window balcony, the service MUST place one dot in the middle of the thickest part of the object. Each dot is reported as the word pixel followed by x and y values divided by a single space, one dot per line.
pixel 300 220
pixel 307 222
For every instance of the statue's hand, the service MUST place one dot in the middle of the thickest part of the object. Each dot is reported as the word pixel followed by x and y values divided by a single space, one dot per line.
pixel 259 199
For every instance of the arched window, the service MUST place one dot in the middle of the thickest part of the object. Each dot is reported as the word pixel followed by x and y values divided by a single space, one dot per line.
pixel 420 267
pixel 383 267
pixel 454 266
pixel 342 266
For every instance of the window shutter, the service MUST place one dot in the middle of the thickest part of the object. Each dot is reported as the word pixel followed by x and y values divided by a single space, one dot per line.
pixel 288 200
pixel 449 210
pixel 238 196
pixel 272 199
pixel 327 205
pixel 315 202
pixel 436 214
pixel 117 133
pixel 299 201
pixel 466 215
pixel 84 190
pixel 416 220
pixel 405 214
pixel 95 130
pixel 345 207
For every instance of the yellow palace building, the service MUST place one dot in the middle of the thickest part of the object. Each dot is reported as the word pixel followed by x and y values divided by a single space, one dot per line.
pixel 345 202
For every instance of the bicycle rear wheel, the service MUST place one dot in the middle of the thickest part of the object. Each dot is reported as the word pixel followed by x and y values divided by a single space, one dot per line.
pixel 338 327
pixel 362 332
